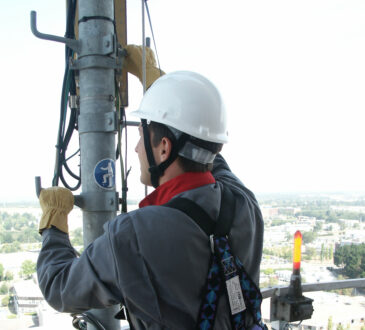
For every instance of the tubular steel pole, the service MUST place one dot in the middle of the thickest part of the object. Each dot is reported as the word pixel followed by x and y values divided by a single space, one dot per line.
pixel 96 126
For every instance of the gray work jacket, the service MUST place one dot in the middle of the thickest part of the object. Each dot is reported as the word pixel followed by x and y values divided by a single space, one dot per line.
pixel 154 260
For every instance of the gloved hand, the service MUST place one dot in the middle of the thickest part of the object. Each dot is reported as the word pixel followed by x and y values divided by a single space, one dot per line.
pixel 56 204
pixel 133 64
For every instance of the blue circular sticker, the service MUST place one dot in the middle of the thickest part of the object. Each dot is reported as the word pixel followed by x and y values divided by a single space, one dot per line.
pixel 104 173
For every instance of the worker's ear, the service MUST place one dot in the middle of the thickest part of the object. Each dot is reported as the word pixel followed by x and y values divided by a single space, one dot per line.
pixel 163 150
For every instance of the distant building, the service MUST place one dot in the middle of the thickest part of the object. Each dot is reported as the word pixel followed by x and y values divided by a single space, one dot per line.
pixel 289 210
pixel 307 220
pixel 283 275
pixel 26 296
pixel 269 212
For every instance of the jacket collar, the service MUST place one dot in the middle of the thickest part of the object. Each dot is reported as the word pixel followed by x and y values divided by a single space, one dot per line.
pixel 186 181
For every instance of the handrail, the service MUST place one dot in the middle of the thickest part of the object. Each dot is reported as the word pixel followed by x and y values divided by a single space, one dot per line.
pixel 310 287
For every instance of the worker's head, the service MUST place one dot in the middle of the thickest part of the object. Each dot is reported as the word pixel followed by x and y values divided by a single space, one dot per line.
pixel 183 119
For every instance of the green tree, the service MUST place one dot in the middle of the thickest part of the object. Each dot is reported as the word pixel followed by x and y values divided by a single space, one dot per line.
pixel 269 271
pixel 7 224
pixel 4 288
pixel 352 259
pixel 309 237
pixel 12 247
pixel 76 237
pixel 5 301
pixel 310 253
pixel 322 252
pixel 1 272
pixel 318 226
pixel 7 238
pixel 9 276
pixel 330 323
pixel 27 269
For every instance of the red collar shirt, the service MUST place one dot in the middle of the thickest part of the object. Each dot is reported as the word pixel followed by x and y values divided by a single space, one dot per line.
pixel 186 181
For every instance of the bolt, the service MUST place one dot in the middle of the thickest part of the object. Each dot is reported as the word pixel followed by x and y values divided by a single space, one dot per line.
pixel 110 121
pixel 111 202
pixel 111 98
pixel 107 43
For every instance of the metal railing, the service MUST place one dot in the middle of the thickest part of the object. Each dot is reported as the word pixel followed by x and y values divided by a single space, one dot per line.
pixel 310 287
pixel 282 291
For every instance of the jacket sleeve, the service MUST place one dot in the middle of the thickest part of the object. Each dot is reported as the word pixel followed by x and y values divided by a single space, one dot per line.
pixel 72 284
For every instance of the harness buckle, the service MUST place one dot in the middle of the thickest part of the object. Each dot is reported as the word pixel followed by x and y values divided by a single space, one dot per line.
pixel 211 238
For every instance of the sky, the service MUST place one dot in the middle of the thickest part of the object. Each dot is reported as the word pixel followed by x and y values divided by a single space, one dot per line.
pixel 292 74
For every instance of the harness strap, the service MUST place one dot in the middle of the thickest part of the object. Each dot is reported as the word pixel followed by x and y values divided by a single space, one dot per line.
pixel 240 289
pixel 195 212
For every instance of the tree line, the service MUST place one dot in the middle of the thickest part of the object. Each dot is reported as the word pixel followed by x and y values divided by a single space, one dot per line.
pixel 331 215
pixel 16 229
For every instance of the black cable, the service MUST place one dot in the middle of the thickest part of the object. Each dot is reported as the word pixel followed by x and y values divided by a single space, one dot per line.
pixel 68 88
pixel 122 124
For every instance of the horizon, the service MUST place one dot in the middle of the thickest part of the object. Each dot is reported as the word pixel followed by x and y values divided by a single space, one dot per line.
pixel 360 195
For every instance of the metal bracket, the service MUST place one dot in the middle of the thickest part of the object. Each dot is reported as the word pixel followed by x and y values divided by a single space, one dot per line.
pixel 290 309
pixel 96 62
pixel 104 47
pixel 72 43
pixel 107 201
pixel 105 122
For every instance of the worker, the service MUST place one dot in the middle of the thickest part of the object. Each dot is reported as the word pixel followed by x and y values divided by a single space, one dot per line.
pixel 155 260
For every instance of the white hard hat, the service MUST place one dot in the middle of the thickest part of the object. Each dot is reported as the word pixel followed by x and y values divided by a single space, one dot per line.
pixel 188 102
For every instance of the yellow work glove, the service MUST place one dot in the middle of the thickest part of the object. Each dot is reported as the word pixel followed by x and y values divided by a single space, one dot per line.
pixel 133 64
pixel 56 204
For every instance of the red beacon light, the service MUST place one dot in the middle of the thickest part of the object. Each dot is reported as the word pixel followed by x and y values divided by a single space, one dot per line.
pixel 293 306
pixel 297 255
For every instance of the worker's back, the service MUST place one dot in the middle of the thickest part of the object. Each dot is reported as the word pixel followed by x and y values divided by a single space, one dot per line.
pixel 167 255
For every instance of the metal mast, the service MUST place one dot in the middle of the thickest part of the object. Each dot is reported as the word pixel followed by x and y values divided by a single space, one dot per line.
pixel 97 124
pixel 97 61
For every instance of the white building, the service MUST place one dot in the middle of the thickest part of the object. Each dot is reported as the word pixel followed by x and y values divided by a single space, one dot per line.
pixel 26 296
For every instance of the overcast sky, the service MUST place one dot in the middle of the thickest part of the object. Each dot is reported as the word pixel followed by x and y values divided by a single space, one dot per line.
pixel 292 74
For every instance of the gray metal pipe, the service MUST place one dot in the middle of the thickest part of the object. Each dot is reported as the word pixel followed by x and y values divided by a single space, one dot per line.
pixel 96 31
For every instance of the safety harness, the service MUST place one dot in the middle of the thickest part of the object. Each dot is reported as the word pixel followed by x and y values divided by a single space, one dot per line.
pixel 243 294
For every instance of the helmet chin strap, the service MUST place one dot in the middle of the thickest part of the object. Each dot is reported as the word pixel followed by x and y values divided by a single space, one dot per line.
pixel 157 171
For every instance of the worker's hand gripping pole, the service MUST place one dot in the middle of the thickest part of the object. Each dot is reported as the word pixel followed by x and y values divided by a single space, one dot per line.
pixel 38 188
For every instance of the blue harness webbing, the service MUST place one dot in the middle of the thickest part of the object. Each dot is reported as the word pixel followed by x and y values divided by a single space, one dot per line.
pixel 242 292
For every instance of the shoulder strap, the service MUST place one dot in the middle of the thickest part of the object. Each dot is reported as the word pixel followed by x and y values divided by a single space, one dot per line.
pixel 221 227
pixel 195 212
pixel 225 219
